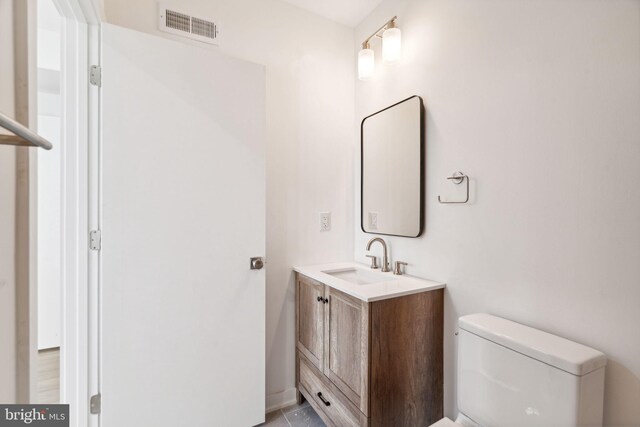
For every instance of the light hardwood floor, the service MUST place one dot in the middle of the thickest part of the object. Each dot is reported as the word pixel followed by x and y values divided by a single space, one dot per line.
pixel 49 376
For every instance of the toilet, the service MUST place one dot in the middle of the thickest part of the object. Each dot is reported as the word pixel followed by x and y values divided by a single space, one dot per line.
pixel 510 375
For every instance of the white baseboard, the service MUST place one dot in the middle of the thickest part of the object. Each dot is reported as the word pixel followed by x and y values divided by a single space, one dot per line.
pixel 280 400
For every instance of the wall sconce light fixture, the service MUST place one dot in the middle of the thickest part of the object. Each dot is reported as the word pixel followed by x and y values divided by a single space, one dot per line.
pixel 366 62
pixel 391 48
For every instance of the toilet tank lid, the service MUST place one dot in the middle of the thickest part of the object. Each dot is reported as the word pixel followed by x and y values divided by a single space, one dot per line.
pixel 577 359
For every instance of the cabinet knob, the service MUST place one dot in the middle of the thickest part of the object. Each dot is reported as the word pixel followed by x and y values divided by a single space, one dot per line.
pixel 319 299
pixel 326 301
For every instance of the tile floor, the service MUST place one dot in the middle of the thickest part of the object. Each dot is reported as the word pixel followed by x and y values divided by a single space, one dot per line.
pixel 294 416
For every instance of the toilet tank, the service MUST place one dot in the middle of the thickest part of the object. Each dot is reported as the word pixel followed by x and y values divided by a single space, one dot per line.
pixel 513 375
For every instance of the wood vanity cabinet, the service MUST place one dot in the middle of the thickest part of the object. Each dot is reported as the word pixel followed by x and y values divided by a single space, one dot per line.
pixel 364 363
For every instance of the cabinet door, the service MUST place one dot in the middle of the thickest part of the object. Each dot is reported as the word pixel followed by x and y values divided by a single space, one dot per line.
pixel 310 319
pixel 346 356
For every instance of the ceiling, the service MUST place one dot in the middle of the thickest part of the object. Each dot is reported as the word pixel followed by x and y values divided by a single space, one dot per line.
pixel 346 12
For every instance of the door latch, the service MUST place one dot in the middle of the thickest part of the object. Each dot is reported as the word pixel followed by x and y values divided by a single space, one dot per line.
pixel 257 263
pixel 95 404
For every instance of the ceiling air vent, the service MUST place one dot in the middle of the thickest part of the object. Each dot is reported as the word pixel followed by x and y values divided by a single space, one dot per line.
pixel 174 22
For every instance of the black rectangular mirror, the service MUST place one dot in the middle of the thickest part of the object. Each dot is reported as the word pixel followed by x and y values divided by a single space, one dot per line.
pixel 392 170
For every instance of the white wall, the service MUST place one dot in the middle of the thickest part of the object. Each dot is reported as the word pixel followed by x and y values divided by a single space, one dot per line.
pixel 49 237
pixel 7 215
pixel 539 102
pixel 310 115
pixel 49 175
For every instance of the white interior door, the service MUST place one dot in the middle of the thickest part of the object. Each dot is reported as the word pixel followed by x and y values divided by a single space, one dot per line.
pixel 183 210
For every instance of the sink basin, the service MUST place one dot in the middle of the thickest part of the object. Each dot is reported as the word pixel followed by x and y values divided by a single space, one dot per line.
pixel 360 281
pixel 358 276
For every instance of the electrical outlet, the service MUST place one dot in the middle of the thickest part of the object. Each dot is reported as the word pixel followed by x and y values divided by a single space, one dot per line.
pixel 325 221
pixel 373 220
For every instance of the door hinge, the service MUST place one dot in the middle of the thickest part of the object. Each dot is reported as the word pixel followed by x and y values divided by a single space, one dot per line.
pixel 95 403
pixel 95 75
pixel 95 240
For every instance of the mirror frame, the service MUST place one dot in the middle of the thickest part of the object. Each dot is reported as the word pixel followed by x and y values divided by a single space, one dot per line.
pixel 422 168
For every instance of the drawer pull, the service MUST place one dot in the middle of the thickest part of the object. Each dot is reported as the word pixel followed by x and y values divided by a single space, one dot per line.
pixel 319 299
pixel 325 401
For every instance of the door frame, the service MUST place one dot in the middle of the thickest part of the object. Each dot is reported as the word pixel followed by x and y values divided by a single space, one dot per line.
pixel 79 201
pixel 80 117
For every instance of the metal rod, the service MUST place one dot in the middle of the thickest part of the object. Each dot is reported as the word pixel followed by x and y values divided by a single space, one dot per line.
pixel 390 22
pixel 23 135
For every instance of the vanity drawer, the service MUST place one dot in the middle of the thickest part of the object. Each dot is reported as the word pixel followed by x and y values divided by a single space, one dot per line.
pixel 340 410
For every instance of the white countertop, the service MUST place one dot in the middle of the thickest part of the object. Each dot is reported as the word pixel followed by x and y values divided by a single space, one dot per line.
pixel 387 285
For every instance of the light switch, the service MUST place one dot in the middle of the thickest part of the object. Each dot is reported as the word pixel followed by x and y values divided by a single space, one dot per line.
pixel 373 220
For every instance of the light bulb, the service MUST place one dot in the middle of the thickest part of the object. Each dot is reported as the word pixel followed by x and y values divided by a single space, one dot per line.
pixel 391 44
pixel 366 64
